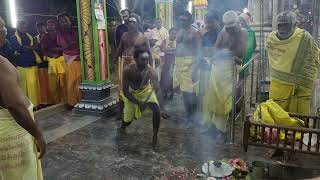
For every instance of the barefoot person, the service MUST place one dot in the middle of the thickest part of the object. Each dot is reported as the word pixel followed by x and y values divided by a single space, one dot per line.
pixel 129 41
pixel 20 138
pixel 188 47
pixel 141 89
pixel 231 45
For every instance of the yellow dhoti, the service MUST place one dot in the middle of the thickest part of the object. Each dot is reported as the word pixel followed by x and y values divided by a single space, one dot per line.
pixel 45 96
pixel 18 152
pixel 29 83
pixel 218 97
pixel 182 75
pixel 73 79
pixel 57 79
pixel 145 95
pixel 291 98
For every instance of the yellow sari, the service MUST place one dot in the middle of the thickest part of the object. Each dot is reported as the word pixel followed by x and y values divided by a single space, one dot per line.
pixel 294 67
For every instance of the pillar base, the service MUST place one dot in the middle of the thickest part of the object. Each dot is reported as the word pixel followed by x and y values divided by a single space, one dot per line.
pixel 97 100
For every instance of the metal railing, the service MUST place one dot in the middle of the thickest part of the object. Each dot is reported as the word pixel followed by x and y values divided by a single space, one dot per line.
pixel 239 91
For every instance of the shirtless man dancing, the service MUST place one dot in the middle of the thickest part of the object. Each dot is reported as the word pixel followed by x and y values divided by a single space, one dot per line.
pixel 141 90
pixel 129 42
pixel 186 63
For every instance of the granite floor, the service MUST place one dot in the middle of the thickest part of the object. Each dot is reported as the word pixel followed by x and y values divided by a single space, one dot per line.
pixel 89 148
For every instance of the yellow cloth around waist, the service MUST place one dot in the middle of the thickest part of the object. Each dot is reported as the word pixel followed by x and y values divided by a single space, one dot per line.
pixel 73 80
pixel 18 152
pixel 56 65
pixel 29 83
pixel 145 95
pixel 220 88
pixel 271 113
pixel 291 98
pixel 182 75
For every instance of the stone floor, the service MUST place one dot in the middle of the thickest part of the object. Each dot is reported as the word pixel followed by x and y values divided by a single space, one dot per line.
pixel 88 148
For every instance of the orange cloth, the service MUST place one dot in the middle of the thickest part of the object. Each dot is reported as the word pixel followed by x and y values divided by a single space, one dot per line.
pixel 45 96
pixel 57 79
pixel 73 76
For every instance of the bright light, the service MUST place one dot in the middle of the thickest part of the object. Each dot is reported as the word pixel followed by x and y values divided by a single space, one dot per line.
pixel 123 4
pixel 190 7
pixel 13 14
pixel 245 10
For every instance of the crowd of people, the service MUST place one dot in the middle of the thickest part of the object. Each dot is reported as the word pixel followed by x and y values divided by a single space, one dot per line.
pixel 199 64
pixel 181 60
pixel 49 63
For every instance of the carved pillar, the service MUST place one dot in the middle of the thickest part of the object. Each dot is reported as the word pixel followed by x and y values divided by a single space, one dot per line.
pixel 93 40
pixel 164 10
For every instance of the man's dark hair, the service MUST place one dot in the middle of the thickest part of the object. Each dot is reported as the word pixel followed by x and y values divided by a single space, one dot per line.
pixel 40 23
pixel 187 14
pixel 139 51
pixel 61 15
pixel 124 10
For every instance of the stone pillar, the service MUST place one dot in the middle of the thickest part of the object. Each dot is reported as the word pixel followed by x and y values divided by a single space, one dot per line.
pixel 96 77
pixel 164 10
